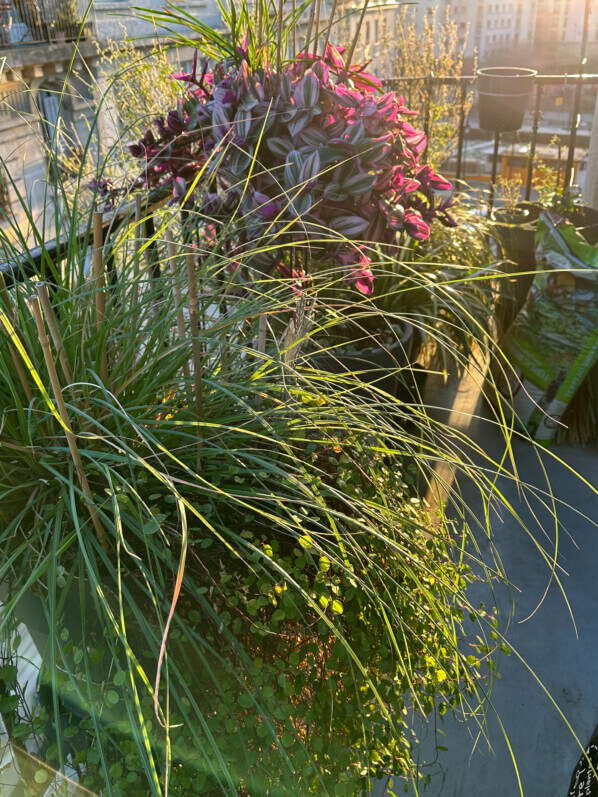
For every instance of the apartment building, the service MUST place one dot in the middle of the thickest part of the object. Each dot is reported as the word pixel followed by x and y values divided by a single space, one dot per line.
pixel 538 31
pixel 496 27
pixel 51 50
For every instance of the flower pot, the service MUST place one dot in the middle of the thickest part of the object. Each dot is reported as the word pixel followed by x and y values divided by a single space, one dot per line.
pixel 586 221
pixel 503 94
pixel 373 365
pixel 515 231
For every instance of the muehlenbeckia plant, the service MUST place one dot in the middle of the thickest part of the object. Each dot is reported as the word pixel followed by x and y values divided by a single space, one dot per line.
pixel 311 158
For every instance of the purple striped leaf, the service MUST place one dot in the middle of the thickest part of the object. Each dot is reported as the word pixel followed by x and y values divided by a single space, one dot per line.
pixel 292 168
pixel 349 226
pixel 359 184
pixel 307 92
pixel 310 168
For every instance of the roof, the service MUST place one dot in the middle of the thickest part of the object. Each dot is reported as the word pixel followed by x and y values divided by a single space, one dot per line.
pixel 546 152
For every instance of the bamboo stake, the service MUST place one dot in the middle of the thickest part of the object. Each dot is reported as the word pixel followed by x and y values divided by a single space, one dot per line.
pixel 294 8
pixel 261 336
pixel 317 27
pixel 260 22
pixel 137 245
pixel 13 354
pixel 329 29
pixel 98 268
pixel 71 440
pixel 197 356
pixel 345 71
pixel 261 345
pixel 177 294
pixel 310 25
pixel 279 39
pixel 42 292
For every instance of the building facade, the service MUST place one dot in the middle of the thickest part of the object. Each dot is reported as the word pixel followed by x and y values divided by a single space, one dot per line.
pixel 541 33
pixel 49 87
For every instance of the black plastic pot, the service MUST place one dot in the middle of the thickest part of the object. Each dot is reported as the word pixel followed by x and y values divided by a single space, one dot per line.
pixel 503 95
pixel 375 365
pixel 586 221
pixel 515 231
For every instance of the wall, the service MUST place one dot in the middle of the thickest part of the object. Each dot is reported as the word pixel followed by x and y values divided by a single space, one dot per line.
pixel 44 67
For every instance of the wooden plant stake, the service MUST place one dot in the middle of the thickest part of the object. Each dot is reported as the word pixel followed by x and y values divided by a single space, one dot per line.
pixel 197 354
pixel 351 52
pixel 310 26
pixel 261 344
pixel 98 272
pixel 8 308
pixel 177 294
pixel 329 29
pixel 44 297
pixel 317 27
pixel 62 411
pixel 279 39
pixel 137 249
pixel 261 335
pixel 293 9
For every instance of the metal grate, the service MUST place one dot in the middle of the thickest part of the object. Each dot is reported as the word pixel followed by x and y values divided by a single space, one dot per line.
pixel 18 103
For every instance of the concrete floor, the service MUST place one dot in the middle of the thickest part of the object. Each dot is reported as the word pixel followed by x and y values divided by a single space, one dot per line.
pixel 560 645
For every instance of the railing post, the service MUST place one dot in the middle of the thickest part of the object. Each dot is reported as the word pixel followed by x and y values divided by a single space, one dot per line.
pixel 590 191
pixel 427 107
pixel 463 98
pixel 494 170
pixel 573 137
pixel 534 139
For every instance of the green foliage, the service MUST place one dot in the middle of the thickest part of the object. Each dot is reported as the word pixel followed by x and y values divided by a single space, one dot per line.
pixel 318 598
pixel 446 287
pixel 244 591
pixel 435 51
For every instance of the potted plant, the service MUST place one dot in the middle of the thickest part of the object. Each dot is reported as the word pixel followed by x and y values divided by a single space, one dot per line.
pixel 266 576
pixel 514 229
pixel 503 93
pixel 367 345
pixel 279 597
pixel 68 20
pixel 308 157
pixel 585 219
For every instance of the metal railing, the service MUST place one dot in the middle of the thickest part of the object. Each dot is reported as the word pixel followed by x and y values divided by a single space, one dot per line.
pixel 43 258
pixel 31 22
pixel 33 261
pixel 573 84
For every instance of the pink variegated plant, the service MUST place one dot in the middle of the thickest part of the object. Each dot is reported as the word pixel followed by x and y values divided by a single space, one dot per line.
pixel 314 158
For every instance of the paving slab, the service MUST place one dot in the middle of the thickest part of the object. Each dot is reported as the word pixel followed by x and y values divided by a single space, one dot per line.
pixel 552 628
